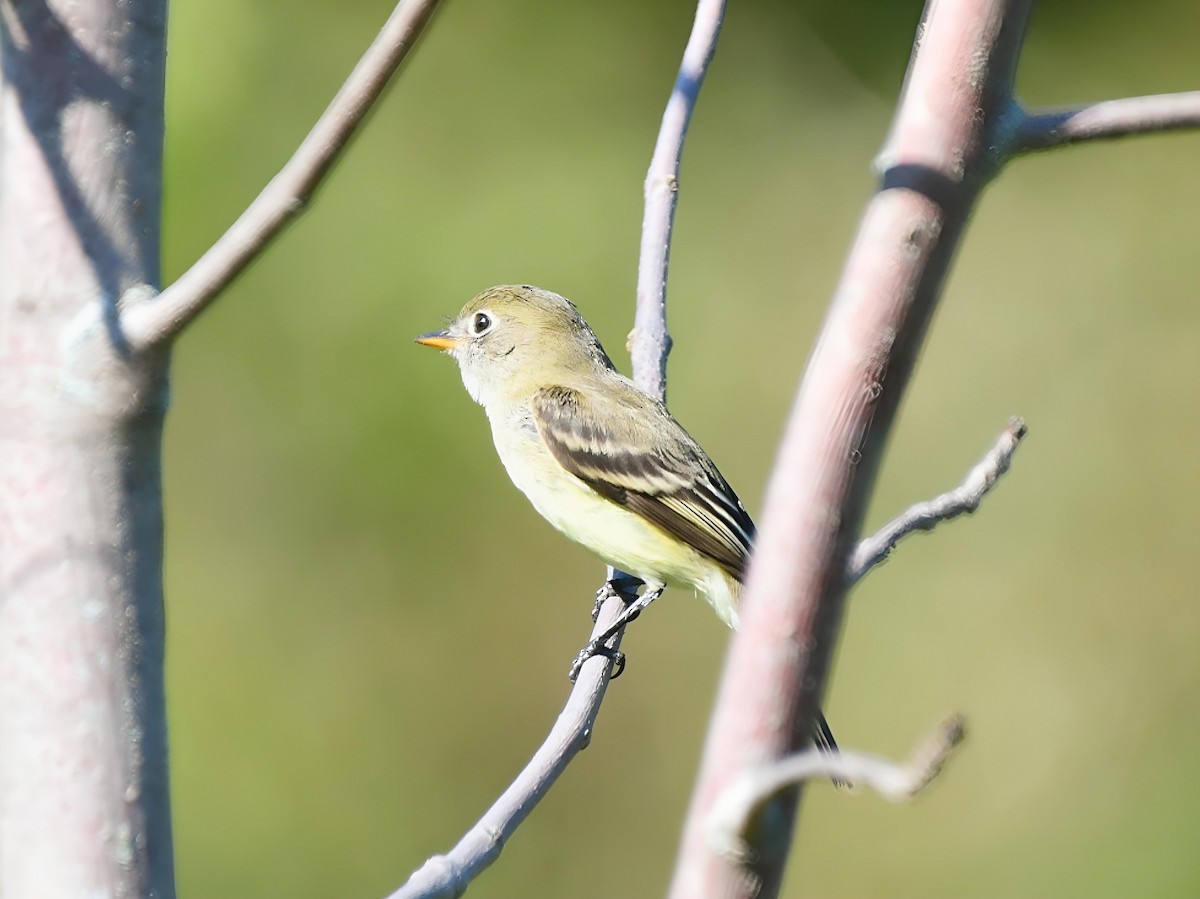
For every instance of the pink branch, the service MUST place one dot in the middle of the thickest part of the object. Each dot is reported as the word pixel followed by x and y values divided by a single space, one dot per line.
pixel 935 162
pixel 158 320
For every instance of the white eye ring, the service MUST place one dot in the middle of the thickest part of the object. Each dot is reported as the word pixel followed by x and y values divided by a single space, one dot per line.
pixel 482 322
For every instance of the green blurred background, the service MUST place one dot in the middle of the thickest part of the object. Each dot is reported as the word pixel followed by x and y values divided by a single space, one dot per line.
pixel 370 628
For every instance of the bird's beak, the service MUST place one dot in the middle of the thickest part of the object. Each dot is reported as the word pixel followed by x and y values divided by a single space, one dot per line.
pixel 439 339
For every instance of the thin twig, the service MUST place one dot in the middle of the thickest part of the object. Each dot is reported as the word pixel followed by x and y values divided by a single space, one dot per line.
pixel 927 515
pixel 1044 129
pixel 159 320
pixel 449 874
pixel 650 342
pixel 733 812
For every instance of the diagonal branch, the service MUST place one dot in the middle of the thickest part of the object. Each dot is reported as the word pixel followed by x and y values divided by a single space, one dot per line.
pixel 955 104
pixel 449 874
pixel 1045 129
pixel 925 516
pixel 157 321
pixel 733 813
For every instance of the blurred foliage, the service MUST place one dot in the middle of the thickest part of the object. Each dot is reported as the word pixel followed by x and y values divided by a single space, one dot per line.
pixel 369 627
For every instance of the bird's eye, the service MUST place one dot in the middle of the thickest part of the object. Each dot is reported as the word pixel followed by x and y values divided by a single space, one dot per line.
pixel 481 323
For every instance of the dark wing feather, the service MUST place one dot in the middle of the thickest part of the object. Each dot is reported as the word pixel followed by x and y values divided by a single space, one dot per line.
pixel 676 488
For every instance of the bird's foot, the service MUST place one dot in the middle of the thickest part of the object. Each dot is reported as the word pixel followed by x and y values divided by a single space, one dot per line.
pixel 598 645
pixel 624 587
pixel 596 648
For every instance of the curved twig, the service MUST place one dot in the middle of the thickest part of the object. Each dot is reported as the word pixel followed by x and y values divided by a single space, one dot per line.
pixel 733 812
pixel 158 320
pixel 925 516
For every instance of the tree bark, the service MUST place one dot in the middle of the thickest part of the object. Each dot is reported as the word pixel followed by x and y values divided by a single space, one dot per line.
pixel 84 807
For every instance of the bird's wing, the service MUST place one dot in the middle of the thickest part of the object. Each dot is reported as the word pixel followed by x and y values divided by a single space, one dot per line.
pixel 671 483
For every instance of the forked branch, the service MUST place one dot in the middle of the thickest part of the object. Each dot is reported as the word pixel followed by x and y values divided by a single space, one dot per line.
pixel 956 125
pixel 449 874
pixel 936 159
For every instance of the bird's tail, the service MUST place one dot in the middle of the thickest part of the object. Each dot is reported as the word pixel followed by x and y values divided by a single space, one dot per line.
pixel 822 735
pixel 722 593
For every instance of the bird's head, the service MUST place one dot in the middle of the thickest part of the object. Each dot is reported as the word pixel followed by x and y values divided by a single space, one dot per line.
pixel 513 340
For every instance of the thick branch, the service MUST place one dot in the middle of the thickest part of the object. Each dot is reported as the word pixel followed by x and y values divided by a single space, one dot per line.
pixel 1044 129
pixel 159 320
pixel 733 814
pixel 649 343
pixel 927 515
pixel 449 874
pixel 935 161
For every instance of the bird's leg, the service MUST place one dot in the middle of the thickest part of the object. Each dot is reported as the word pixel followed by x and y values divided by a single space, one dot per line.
pixel 596 646
pixel 620 586
pixel 631 612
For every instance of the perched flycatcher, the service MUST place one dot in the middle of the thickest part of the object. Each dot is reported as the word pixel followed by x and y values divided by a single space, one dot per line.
pixel 599 459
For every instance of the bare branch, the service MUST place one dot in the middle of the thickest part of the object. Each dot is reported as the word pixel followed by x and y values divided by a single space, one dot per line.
pixel 1044 129
pixel 449 874
pixel 953 110
pixel 649 342
pixel 161 319
pixel 733 812
pixel 927 515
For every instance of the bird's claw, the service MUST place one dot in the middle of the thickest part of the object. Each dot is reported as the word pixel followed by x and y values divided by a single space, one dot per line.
pixel 619 587
pixel 602 596
pixel 596 649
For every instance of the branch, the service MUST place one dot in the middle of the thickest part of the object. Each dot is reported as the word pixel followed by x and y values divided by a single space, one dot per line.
pixel 649 342
pixel 927 515
pixel 734 812
pixel 957 99
pixel 449 874
pixel 1042 130
pixel 157 321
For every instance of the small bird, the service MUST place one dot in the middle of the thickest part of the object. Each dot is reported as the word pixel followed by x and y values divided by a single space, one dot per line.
pixel 603 462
